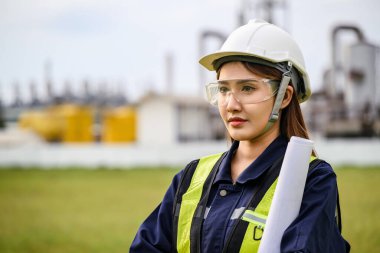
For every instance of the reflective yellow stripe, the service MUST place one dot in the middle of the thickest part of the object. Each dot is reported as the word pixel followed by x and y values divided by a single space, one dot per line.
pixel 191 199
pixel 254 217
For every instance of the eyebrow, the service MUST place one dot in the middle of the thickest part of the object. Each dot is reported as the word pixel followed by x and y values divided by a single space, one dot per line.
pixel 238 81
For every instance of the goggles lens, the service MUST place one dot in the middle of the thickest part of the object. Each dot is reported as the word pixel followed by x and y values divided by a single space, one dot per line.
pixel 245 91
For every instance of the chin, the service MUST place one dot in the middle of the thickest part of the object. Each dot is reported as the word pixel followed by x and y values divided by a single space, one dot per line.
pixel 242 137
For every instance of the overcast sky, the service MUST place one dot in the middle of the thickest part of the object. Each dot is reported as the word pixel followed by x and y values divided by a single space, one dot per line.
pixel 124 42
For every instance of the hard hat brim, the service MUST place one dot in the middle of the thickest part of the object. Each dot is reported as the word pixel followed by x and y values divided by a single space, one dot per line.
pixel 208 60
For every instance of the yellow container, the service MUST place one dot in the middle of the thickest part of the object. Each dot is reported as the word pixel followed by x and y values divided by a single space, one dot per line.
pixel 67 123
pixel 119 125
pixel 77 123
pixel 46 124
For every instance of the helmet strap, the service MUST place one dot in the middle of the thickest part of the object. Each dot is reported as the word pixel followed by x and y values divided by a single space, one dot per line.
pixel 275 114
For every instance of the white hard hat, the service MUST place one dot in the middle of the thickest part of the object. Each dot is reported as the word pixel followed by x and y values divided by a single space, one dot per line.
pixel 263 43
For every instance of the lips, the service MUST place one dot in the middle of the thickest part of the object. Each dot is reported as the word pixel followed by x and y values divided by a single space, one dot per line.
pixel 236 121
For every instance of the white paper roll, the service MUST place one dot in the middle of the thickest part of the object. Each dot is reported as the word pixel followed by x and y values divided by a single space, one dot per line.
pixel 287 198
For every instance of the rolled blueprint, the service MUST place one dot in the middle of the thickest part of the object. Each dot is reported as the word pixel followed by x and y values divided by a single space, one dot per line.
pixel 287 198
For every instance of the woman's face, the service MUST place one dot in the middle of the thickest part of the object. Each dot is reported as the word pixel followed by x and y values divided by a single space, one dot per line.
pixel 244 121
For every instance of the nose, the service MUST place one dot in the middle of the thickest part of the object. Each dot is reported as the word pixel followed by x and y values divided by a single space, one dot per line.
pixel 232 103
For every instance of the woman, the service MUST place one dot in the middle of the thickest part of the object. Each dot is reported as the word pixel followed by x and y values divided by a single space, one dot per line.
pixel 219 203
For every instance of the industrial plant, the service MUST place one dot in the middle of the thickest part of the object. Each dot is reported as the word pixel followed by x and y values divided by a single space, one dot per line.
pixel 347 105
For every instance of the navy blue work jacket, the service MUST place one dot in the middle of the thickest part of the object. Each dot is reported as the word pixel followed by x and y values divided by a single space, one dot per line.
pixel 313 231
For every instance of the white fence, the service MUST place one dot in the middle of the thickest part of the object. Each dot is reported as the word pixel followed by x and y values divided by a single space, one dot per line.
pixel 336 152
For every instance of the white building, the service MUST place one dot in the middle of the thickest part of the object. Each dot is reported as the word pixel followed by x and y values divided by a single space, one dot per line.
pixel 164 119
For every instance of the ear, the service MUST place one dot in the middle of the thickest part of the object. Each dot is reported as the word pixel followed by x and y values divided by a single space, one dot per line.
pixel 287 96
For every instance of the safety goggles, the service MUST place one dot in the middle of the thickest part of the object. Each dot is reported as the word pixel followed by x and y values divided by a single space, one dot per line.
pixel 245 91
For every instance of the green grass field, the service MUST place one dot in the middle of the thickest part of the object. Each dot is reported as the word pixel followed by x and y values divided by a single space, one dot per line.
pixel 77 210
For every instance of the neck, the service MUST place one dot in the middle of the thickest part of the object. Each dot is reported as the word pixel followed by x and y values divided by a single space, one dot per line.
pixel 249 150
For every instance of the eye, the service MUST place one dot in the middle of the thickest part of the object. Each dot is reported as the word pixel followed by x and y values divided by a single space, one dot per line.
pixel 222 89
pixel 247 88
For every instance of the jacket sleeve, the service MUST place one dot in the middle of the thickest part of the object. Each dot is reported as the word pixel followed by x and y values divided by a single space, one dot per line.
pixel 315 229
pixel 155 233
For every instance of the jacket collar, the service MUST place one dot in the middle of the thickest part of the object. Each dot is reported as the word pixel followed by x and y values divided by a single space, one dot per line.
pixel 273 152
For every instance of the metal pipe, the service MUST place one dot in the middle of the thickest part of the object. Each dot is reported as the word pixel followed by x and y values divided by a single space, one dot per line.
pixel 334 38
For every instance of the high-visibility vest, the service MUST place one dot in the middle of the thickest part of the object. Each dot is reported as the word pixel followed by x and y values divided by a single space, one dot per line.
pixel 188 208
